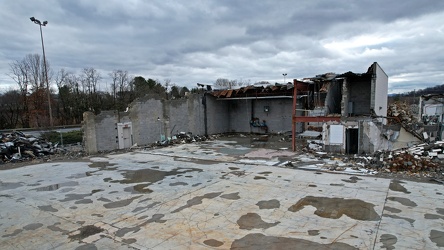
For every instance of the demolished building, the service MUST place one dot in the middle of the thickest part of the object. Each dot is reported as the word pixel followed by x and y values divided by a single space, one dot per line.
pixel 431 115
pixel 349 108
pixel 348 111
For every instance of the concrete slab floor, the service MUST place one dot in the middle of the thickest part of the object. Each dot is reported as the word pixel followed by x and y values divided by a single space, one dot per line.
pixel 207 196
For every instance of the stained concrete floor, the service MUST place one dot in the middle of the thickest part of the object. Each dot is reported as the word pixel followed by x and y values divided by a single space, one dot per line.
pixel 213 195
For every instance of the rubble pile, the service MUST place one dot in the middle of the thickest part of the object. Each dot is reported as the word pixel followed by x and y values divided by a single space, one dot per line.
pixel 17 146
pixel 403 113
pixel 182 138
pixel 422 157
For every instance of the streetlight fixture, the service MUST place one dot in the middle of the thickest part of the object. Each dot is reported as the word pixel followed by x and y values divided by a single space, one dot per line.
pixel 36 21
pixel 285 74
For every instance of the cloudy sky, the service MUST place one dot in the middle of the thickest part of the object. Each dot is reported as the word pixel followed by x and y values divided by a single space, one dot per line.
pixel 200 41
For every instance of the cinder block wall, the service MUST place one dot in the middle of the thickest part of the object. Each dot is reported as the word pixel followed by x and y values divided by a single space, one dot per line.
pixel 218 116
pixel 184 115
pixel 240 113
pixel 187 115
pixel 278 117
pixel 143 116
pixel 100 132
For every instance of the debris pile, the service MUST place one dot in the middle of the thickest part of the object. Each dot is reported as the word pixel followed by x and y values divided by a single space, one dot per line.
pixel 423 157
pixel 181 138
pixel 17 146
pixel 403 114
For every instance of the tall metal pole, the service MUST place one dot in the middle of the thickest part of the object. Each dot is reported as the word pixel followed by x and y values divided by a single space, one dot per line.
pixel 36 21
pixel 285 74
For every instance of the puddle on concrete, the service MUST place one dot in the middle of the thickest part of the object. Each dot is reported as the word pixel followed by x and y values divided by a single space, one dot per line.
pixel 437 237
pixel 270 204
pixel 388 241
pixel 259 241
pixel 9 185
pixel 77 176
pixel 233 168
pixel 121 203
pixel 259 178
pixel 352 179
pixel 195 185
pixel 179 183
pixel 156 218
pixel 334 208
pixel 403 201
pixel 396 186
pixel 312 185
pixel 97 215
pixel 48 208
pixel 313 232
pixel 152 175
pixel 66 190
pixel 84 201
pixel 145 200
pixel 337 184
pixel 96 191
pixel 232 196
pixel 16 232
pixel 86 231
pixel 87 247
pixel 197 200
pixel 409 220
pixel 213 243
pixel 74 197
pixel 33 226
pixel 56 186
pixel 129 241
pixel 196 161
pixel 393 210
pixel 433 217
pixel 235 151
pixel 251 221
pixel 265 173
pixel 104 199
pixel 137 209
pixel 121 232
pixel 440 211
pixel 139 189
pixel 102 165
pixel 56 228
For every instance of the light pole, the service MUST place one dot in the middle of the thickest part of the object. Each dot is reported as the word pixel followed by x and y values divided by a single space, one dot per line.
pixel 36 21
pixel 285 74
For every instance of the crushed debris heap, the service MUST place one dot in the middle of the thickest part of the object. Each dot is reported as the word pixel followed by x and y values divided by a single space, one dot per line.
pixel 17 146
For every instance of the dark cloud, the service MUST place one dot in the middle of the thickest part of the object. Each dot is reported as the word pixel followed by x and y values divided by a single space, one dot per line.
pixel 200 41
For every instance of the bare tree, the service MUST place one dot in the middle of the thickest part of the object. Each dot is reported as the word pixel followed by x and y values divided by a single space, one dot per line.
pixel 29 75
pixel 90 79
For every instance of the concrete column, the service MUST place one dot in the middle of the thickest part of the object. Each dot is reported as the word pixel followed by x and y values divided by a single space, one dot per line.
pixel 89 133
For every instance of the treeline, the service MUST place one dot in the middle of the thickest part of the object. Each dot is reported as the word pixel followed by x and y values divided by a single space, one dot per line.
pixel 413 96
pixel 27 106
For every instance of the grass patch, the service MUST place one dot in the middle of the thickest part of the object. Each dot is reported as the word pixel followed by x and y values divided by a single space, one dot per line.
pixel 70 137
